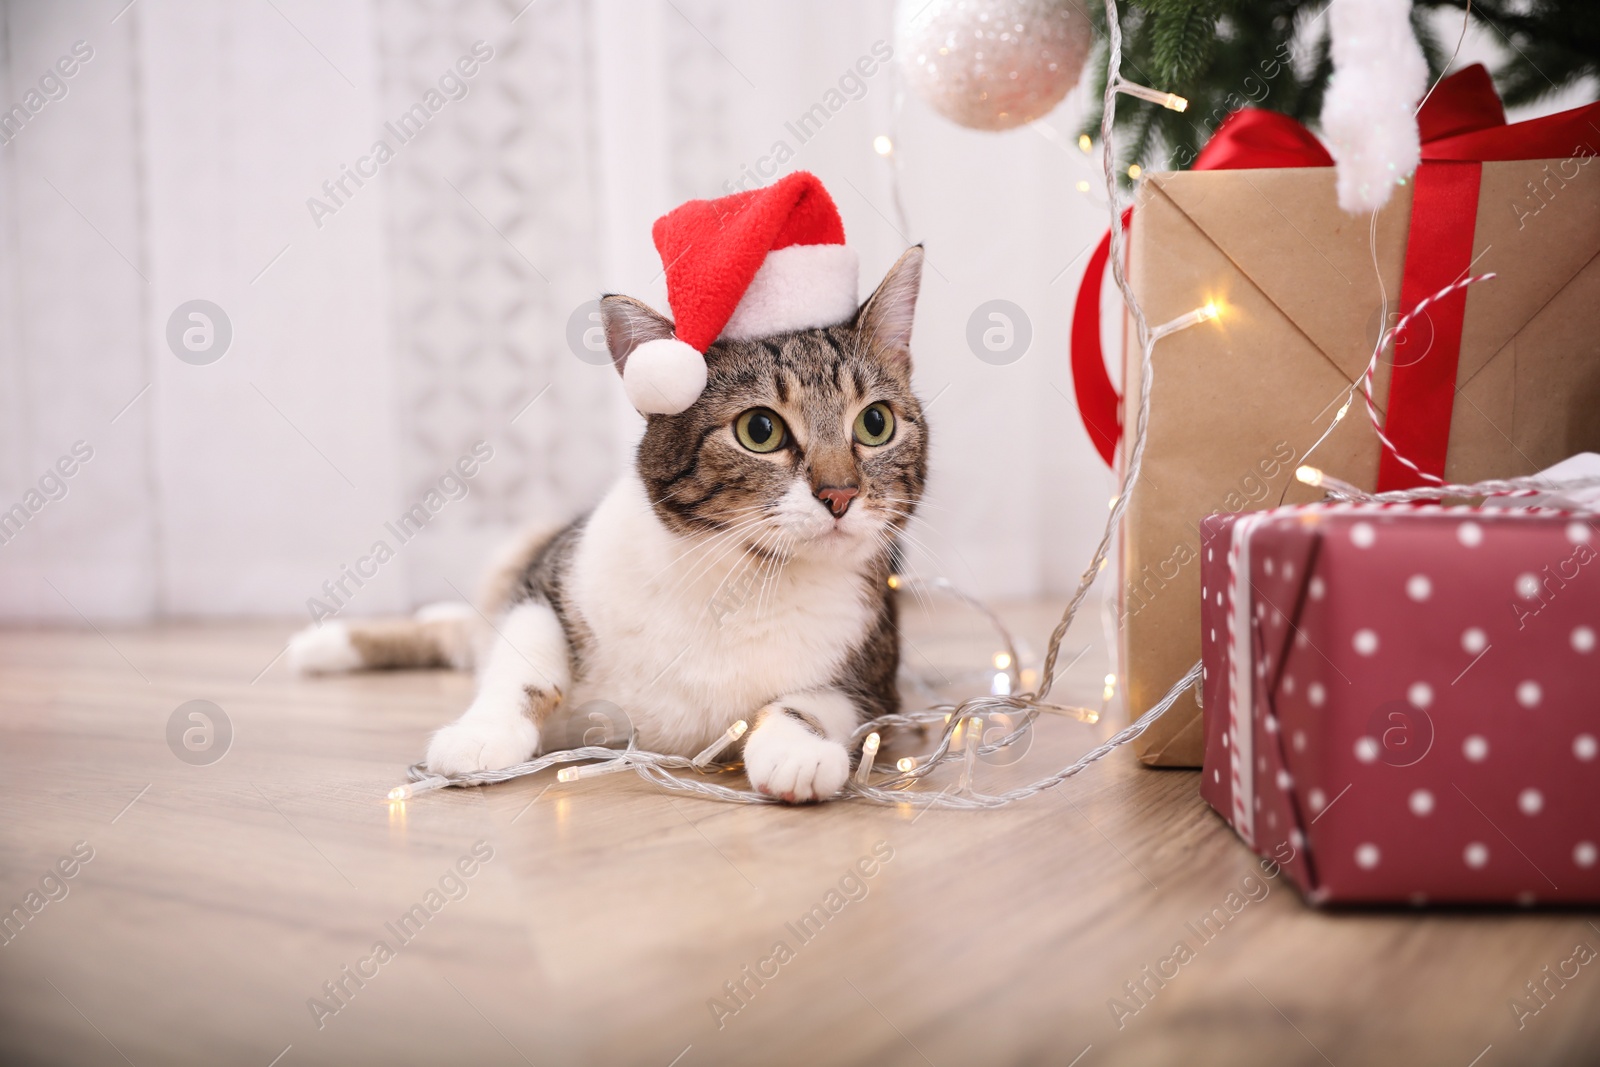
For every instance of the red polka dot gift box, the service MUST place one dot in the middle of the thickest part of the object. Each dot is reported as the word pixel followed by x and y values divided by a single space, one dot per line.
pixel 1402 704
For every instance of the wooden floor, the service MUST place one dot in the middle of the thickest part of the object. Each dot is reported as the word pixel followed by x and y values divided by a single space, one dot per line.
pixel 221 898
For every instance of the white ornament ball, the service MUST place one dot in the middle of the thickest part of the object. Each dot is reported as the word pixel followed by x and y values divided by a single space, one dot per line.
pixel 664 376
pixel 991 64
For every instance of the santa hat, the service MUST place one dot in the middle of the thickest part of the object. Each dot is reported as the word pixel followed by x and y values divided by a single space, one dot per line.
pixel 748 265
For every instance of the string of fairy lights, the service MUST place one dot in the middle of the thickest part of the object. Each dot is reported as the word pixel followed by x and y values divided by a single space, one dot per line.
pixel 984 725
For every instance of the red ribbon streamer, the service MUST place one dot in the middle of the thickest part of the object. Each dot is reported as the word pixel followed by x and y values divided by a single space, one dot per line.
pixel 1462 124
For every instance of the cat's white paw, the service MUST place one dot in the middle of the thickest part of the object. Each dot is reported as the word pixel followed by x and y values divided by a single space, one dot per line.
pixel 482 745
pixel 323 649
pixel 789 762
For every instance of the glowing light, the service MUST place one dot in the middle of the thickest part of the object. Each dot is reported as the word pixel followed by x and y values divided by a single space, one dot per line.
pixel 894 581
pixel 1002 660
pixel 726 738
pixel 568 774
pixel 869 754
pixel 1111 679
pixel 906 763
pixel 410 789
pixel 1210 311
pixel 1309 475
pixel 1083 185
pixel 1170 101
pixel 882 145
pixel 1134 170
pixel 1086 143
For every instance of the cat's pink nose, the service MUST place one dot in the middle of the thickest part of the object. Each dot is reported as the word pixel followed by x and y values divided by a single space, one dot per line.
pixel 837 498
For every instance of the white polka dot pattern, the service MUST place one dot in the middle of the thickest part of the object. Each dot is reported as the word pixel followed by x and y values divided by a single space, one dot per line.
pixel 1422 721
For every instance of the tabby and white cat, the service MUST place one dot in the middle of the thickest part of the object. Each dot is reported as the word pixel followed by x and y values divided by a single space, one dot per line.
pixel 739 571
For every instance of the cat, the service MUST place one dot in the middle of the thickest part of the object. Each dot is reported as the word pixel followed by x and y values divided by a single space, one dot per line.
pixel 738 571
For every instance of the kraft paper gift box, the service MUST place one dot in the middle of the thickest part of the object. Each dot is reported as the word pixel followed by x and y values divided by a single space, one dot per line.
pixel 1497 382
pixel 1400 702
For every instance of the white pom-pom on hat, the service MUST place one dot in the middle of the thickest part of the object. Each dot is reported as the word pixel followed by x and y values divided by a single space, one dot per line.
pixel 664 376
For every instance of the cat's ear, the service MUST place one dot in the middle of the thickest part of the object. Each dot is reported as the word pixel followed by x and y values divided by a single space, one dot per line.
pixel 884 321
pixel 629 324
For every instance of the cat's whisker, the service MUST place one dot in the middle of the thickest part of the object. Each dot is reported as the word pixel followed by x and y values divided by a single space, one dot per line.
pixel 773 572
pixel 731 540
pixel 752 557
pixel 740 541
pixel 705 541
pixel 918 504
pixel 764 559
pixel 936 557
pixel 911 585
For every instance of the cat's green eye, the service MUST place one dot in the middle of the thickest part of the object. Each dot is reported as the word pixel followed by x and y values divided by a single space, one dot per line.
pixel 875 424
pixel 760 430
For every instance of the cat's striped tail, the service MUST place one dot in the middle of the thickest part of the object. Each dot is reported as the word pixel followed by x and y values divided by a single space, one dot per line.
pixel 439 635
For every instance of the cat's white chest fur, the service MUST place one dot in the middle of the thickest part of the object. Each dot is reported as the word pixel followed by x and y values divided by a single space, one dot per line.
pixel 689 637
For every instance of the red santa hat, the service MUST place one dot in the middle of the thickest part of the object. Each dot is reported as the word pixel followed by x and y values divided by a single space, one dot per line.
pixel 749 265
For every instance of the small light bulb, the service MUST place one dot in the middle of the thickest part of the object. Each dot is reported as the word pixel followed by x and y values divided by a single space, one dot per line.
pixel 727 737
pixel 420 786
pixel 1134 170
pixel 1109 693
pixel 1171 101
pixel 1206 312
pixel 1083 185
pixel 1002 660
pixel 1085 142
pixel 882 145
pixel 906 763
pixel 869 753
pixel 1111 679
pixel 894 581
pixel 567 774
pixel 1309 475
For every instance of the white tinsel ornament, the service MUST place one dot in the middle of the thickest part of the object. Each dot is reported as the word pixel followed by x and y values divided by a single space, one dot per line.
pixel 991 64
pixel 1369 114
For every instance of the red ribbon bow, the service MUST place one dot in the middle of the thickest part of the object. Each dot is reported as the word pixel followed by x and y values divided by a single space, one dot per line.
pixel 1462 125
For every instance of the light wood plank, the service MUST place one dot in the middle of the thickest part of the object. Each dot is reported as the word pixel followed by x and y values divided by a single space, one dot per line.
pixel 611 914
